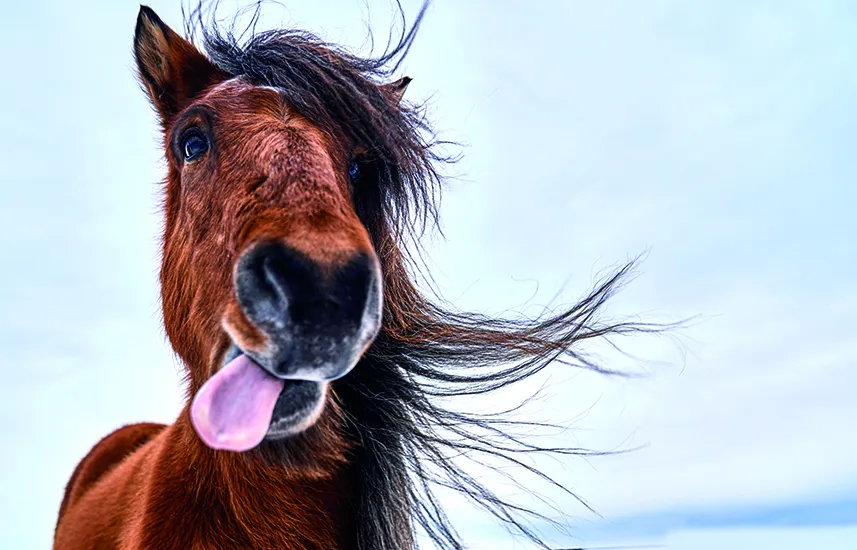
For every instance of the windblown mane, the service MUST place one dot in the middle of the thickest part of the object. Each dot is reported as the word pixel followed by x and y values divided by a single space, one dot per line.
pixel 427 354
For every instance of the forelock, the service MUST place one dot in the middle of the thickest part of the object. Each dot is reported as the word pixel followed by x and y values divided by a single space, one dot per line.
pixel 340 93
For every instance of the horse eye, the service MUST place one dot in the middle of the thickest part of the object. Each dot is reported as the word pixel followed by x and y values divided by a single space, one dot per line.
pixel 194 145
pixel 354 170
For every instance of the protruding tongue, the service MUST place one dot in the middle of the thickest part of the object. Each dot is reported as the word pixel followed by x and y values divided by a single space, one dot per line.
pixel 232 410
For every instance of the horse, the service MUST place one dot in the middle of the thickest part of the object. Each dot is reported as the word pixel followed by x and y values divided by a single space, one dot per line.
pixel 318 372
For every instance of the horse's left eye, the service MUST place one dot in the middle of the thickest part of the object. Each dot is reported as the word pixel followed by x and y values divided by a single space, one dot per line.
pixel 194 145
pixel 354 170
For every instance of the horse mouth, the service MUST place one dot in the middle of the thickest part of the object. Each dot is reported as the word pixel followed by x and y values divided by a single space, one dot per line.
pixel 317 324
pixel 242 404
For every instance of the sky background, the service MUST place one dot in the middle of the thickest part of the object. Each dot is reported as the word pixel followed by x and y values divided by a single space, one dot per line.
pixel 715 137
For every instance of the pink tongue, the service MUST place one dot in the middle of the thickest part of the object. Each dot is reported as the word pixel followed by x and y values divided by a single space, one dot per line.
pixel 232 410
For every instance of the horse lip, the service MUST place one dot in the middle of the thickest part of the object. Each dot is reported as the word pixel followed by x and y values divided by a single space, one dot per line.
pixel 304 375
pixel 299 404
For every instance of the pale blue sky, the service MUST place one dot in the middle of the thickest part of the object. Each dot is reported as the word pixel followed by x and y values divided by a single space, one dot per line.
pixel 716 135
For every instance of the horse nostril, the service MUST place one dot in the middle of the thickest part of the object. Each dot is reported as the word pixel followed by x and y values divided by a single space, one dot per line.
pixel 318 320
pixel 279 287
pixel 275 282
pixel 260 290
pixel 350 286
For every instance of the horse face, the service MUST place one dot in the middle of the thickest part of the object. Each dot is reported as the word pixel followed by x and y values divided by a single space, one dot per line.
pixel 270 285
pixel 267 198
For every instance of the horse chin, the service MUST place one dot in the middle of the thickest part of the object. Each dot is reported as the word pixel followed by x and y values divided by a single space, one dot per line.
pixel 299 406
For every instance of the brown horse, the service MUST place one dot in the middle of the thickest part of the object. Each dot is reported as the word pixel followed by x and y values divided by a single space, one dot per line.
pixel 315 366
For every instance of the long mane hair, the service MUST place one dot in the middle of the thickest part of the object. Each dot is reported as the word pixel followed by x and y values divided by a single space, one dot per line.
pixel 397 400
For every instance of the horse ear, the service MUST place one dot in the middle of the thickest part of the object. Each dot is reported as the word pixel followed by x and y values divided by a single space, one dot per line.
pixel 396 90
pixel 172 69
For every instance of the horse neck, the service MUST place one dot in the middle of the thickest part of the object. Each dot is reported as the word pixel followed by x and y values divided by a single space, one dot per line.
pixel 269 505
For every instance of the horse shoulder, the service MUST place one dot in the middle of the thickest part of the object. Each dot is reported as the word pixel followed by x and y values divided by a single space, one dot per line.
pixel 106 454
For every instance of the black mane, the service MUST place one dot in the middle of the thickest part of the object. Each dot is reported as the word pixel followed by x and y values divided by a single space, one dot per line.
pixel 427 353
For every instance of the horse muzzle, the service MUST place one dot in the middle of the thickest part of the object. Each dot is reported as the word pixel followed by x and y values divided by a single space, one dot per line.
pixel 316 323
pixel 317 320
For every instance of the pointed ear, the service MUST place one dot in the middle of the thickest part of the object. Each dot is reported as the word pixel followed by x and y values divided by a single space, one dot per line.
pixel 172 69
pixel 396 90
